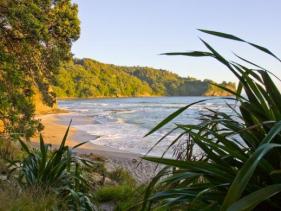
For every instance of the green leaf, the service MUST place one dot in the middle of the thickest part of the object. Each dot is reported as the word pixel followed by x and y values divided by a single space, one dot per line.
pixel 146 202
pixel 252 200
pixel 271 89
pixel 172 116
pixel 191 53
pixel 161 139
pixel 232 37
pixel 42 145
pixel 265 50
pixel 24 146
pixel 222 60
pixel 274 131
pixel 237 94
pixel 65 137
pixel 245 173
pixel 221 34
pixel 43 151
pixel 78 145
pixel 197 166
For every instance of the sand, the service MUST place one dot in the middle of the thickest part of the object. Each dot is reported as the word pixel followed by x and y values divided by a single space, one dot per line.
pixel 53 134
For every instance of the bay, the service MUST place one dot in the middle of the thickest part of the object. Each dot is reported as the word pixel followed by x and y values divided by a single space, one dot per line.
pixel 121 123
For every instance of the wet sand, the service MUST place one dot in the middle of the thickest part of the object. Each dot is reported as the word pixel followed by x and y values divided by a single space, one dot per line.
pixel 53 134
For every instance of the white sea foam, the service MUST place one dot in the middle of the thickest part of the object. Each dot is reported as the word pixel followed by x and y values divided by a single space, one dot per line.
pixel 122 123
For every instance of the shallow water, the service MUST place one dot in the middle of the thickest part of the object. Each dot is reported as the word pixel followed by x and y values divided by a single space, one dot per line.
pixel 121 123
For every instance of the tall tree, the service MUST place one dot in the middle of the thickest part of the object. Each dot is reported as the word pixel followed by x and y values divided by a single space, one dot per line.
pixel 36 35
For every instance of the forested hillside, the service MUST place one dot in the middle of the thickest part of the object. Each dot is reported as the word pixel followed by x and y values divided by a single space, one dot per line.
pixel 89 78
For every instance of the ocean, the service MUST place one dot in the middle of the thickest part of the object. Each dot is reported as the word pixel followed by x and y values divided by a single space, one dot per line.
pixel 121 123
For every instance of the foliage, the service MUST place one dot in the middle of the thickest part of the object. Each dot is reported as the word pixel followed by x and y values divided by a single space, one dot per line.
pixel 57 172
pixel 114 193
pixel 163 82
pixel 122 176
pixel 89 78
pixel 123 192
pixel 35 37
pixel 240 166
pixel 9 150
pixel 13 198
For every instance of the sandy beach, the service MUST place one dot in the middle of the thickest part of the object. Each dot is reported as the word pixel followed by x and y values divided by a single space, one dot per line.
pixel 54 131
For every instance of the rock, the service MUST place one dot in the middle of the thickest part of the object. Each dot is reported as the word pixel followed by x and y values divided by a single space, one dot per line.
pixel 3 177
pixel 134 161
pixel 109 181
pixel 109 206
pixel 97 178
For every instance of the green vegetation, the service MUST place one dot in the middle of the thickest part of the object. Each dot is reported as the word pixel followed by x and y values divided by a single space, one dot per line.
pixel 57 172
pixel 114 193
pixel 89 78
pixel 239 164
pixel 124 193
pixel 12 198
pixel 35 37
pixel 58 179
pixel 239 168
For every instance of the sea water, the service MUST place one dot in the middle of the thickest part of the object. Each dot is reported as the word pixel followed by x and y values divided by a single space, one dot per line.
pixel 121 123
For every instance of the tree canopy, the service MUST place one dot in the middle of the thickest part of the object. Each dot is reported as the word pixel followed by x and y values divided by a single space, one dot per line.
pixel 35 37
pixel 89 78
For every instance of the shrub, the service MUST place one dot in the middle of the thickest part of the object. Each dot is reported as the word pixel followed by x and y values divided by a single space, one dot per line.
pixel 236 171
pixel 113 193
pixel 13 198
pixel 124 194
pixel 57 172
pixel 9 150
pixel 122 176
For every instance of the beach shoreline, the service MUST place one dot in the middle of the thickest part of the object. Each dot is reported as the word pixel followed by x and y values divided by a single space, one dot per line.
pixel 53 134
pixel 54 131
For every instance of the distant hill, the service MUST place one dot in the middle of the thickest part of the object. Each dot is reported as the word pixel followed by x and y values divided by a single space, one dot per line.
pixel 89 78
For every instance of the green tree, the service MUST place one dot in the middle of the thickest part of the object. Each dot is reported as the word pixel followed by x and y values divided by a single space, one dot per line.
pixel 89 78
pixel 35 37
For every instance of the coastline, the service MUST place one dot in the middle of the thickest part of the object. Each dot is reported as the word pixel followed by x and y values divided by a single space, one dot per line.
pixel 110 97
pixel 54 131
pixel 140 96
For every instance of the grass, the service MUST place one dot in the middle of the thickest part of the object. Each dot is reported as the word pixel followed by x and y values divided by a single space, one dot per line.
pixel 46 179
pixel 125 197
pixel 114 193
pixel 59 172
pixel 241 151
pixel 125 194
pixel 121 187
pixel 13 198
pixel 10 150
pixel 121 176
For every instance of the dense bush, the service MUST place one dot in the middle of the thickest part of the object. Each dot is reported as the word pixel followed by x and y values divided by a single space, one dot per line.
pixel 13 198
pixel 241 151
pixel 89 78
pixel 35 37
pixel 122 192
pixel 57 172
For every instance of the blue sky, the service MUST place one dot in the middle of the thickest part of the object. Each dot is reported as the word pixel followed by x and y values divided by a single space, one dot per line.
pixel 135 32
